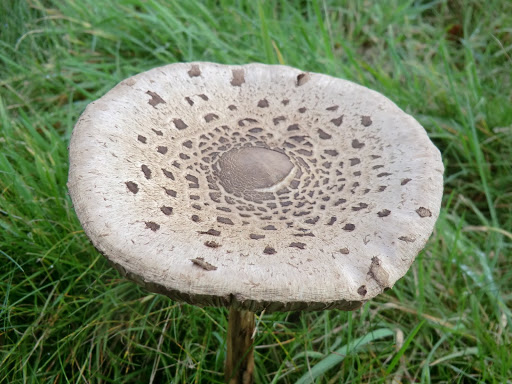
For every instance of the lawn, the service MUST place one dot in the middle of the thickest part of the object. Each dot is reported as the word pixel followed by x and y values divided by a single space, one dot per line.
pixel 67 317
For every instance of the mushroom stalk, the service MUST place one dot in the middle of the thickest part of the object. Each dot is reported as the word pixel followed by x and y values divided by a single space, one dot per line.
pixel 240 356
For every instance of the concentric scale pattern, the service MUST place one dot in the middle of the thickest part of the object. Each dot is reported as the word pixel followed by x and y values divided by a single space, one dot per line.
pixel 267 161
pixel 266 171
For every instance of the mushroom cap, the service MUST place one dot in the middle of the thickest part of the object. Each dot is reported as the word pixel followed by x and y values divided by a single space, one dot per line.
pixel 254 186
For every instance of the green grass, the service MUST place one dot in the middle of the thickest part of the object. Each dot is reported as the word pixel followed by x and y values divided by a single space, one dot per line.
pixel 67 317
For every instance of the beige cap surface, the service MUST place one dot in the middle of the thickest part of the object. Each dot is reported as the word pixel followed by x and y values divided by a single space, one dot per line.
pixel 255 186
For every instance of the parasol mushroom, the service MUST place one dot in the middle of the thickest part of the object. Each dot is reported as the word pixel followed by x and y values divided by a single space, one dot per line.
pixel 254 187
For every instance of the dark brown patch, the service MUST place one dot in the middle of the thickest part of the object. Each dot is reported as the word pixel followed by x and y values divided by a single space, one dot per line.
pixel 132 187
pixel 189 101
pixel 382 188
pixel 302 79
pixel 242 122
pixel 224 220
pixel 344 251
pixel 338 121
pixel 349 227
pixel 195 218
pixel 194 71
pixel 298 139
pixel 285 101
pixel 170 192
pixel 203 96
pixel 302 109
pixel 161 149
pixel 332 220
pixel 357 144
pixel 331 152
pixel 200 260
pixel 339 201
pixel 232 107
pixel 304 234
pixel 155 99
pixel 366 121
pixel 455 33
pixel 211 232
pixel 263 103
pixel 298 245
pixel 166 210
pixel 360 206
pixel 146 171
pixel 293 127
pixel 305 152
pixel 188 144
pixel 192 179
pixel 269 228
pixel 313 220
pixel 405 181
pixel 362 290
pixel 212 244
pixel 407 239
pixel 152 225
pixel 211 116
pixel 383 174
pixel 168 174
pixel 238 77
pixel 179 124
pixel 142 139
pixel 278 119
pixel 323 135
pixel 269 251
pixel 256 237
pixel 215 196
pixel 158 133
pixel 333 108
pixel 354 161
pixel 384 213
pixel 423 212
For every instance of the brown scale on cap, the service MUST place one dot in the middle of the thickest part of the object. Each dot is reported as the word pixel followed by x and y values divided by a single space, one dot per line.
pixel 194 71
pixel 277 172
pixel 155 99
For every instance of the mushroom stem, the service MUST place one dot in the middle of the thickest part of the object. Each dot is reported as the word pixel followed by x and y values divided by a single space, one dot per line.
pixel 240 357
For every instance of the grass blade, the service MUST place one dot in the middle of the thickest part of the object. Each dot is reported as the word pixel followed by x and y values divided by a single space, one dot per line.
pixel 338 356
pixel 404 347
